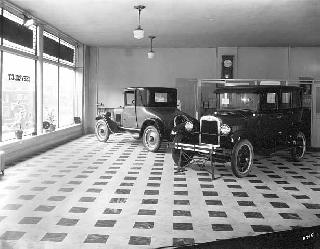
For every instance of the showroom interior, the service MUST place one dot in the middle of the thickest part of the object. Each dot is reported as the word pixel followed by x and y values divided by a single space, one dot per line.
pixel 63 63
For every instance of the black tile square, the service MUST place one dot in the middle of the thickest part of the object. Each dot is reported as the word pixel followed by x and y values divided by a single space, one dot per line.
pixel 178 185
pixel 26 197
pixel 78 210
pixel 291 188
pixel 246 203
pixel 261 228
pixel 182 241
pixel 94 190
pixel 54 237
pixel 234 186
pixel 182 226
pixel 143 225
pixel 138 240
pixel 112 211
pixel 270 196
pixel 123 191
pixel 44 208
pixel 126 184
pixel 300 197
pixel 149 201
pixel 67 222
pixel 179 179
pixel 181 213
pixel 279 205
pixel 96 238
pixel 30 220
pixel 87 199
pixel 105 223
pixel 240 194
pixel 256 215
pixel 222 227
pixel 292 216
pixel 118 200
pixel 209 193
pixel 11 235
pixel 180 192
pixel 151 192
pixel 214 202
pixel 154 178
pixel 66 189
pixel 12 207
pixel 146 212
pixel 181 202
pixel 56 198
pixel 217 214
pixel 262 187
pixel 311 205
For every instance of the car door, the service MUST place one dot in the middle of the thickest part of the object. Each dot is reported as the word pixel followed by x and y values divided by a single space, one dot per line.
pixel 285 122
pixel 129 111
pixel 269 118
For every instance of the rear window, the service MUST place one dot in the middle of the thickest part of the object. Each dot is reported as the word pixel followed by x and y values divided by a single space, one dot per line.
pixel 285 100
pixel 162 99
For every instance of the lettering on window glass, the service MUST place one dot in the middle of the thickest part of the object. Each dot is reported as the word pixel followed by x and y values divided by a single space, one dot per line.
pixel 18 77
pixel 161 97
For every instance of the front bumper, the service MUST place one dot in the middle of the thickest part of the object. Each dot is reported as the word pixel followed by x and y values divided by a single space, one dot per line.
pixel 218 153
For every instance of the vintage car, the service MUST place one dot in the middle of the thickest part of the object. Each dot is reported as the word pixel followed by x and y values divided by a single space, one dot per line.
pixel 148 112
pixel 248 119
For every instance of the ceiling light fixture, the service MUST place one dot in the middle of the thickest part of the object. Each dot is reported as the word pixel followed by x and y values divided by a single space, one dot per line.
pixel 138 33
pixel 151 53
pixel 27 21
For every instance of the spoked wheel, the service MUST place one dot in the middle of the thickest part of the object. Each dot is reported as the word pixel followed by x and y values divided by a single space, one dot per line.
pixel 242 158
pixel 299 148
pixel 102 130
pixel 186 156
pixel 151 138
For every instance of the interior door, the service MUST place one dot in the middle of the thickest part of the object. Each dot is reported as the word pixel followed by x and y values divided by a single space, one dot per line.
pixel 129 110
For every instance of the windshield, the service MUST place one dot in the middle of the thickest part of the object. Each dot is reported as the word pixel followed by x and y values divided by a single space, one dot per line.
pixel 238 101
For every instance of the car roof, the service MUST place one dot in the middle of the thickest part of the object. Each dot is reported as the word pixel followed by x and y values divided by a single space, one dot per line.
pixel 150 88
pixel 256 89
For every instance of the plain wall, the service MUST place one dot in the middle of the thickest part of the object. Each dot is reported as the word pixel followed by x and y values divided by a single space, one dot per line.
pixel 120 68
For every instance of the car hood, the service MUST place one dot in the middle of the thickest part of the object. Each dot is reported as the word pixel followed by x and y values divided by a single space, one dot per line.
pixel 233 117
pixel 166 113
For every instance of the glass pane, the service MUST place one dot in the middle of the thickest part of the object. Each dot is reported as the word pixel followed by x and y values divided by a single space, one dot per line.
pixel 129 98
pixel 18 95
pixel 66 96
pixel 50 94
pixel 285 100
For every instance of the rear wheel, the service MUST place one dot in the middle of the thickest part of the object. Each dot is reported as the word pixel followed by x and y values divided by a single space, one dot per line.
pixel 186 157
pixel 299 148
pixel 151 138
pixel 242 158
pixel 102 130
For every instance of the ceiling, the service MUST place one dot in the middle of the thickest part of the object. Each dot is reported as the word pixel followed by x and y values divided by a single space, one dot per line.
pixel 183 23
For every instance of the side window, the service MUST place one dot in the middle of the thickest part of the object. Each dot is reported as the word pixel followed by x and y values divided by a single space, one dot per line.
pixel 296 99
pixel 285 100
pixel 129 98
pixel 269 101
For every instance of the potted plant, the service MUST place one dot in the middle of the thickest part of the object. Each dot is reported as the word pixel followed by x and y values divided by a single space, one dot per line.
pixel 49 125
pixel 20 122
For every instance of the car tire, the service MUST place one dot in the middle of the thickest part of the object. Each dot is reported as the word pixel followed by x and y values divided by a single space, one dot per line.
pixel 102 130
pixel 298 150
pixel 151 138
pixel 242 158
pixel 185 158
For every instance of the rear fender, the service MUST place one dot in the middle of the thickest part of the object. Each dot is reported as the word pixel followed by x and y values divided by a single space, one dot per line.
pixel 155 122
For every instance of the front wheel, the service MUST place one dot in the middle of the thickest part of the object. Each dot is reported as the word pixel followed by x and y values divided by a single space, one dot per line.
pixel 186 156
pixel 299 148
pixel 102 130
pixel 242 158
pixel 151 138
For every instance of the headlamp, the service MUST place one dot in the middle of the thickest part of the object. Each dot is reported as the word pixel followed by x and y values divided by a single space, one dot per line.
pixel 225 129
pixel 188 126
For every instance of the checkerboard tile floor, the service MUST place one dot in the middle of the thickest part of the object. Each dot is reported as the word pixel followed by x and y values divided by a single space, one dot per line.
pixel 87 194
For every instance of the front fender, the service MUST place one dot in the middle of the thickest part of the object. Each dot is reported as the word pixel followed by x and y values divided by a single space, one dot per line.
pixel 113 126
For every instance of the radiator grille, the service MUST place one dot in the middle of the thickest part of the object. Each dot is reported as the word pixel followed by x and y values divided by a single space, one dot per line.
pixel 209 132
